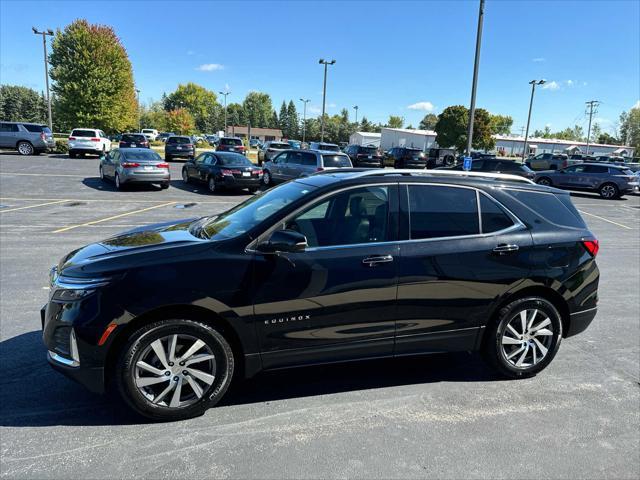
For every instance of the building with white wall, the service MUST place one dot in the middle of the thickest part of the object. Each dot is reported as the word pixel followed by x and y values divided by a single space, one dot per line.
pixel 513 145
pixel 365 138
pixel 404 137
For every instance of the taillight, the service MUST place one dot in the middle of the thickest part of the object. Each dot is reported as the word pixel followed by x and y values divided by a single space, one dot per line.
pixel 95 139
pixel 320 169
pixel 42 136
pixel 592 246
pixel 71 138
pixel 256 172
pixel 188 145
pixel 130 164
pixel 162 165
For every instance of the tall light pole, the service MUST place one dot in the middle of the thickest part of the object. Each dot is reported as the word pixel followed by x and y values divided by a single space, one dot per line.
pixel 44 34
pixel 355 107
pixel 533 84
pixel 476 64
pixel 304 118
pixel 139 116
pixel 225 110
pixel 324 94
pixel 593 108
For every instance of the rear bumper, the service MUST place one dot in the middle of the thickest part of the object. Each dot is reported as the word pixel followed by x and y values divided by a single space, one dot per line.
pixel 232 182
pixel 579 321
pixel 145 178
pixel 180 153
pixel 92 151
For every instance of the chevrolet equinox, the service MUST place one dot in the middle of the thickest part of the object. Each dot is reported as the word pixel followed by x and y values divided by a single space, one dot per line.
pixel 339 266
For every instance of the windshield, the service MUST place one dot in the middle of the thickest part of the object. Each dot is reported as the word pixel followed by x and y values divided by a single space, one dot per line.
pixel 234 159
pixel 336 161
pixel 230 141
pixel 142 154
pixel 250 213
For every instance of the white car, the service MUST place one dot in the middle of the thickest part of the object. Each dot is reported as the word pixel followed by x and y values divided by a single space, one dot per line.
pixel 150 133
pixel 88 141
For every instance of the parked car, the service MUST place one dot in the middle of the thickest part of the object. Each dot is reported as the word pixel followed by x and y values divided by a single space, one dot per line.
pixel 231 144
pixel 134 165
pixel 441 157
pixel 212 139
pixel 164 135
pixel 133 140
pixel 179 146
pixel 151 134
pixel 223 170
pixel 333 267
pixel 404 157
pixel 550 161
pixel 255 143
pixel 610 181
pixel 301 163
pixel 582 156
pixel 327 147
pixel 364 156
pixel 26 138
pixel 295 144
pixel 498 165
pixel 271 149
pixel 90 141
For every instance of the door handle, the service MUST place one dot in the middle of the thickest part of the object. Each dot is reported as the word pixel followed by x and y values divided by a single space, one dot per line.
pixel 375 260
pixel 506 248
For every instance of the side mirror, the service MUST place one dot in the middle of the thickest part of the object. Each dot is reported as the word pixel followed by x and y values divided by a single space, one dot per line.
pixel 284 241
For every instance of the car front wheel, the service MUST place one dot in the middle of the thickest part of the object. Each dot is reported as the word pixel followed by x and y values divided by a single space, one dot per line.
pixel 544 181
pixel 174 369
pixel 524 337
pixel 609 191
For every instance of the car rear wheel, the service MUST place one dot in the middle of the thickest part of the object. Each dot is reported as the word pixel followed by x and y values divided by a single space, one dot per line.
pixel 119 185
pixel 164 185
pixel 609 191
pixel 544 181
pixel 72 154
pixel 211 184
pixel 266 178
pixel 25 148
pixel 168 157
pixel 174 369
pixel 101 173
pixel 524 338
pixel 185 175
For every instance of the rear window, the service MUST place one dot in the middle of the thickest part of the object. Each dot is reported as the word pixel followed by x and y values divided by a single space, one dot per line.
pixel 232 141
pixel 414 153
pixel 37 128
pixel 328 147
pixel 281 146
pixel 84 133
pixel 368 150
pixel 622 171
pixel 140 155
pixel 331 161
pixel 180 140
pixel 133 138
pixel 556 209
pixel 436 211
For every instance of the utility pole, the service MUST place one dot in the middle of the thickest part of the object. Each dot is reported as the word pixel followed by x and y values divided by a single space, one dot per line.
pixel 324 94
pixel 139 116
pixel 593 108
pixel 44 34
pixel 533 84
pixel 472 110
pixel 304 118
pixel 355 107
pixel 225 110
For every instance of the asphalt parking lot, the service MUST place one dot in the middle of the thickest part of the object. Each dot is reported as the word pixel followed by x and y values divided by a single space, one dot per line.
pixel 442 416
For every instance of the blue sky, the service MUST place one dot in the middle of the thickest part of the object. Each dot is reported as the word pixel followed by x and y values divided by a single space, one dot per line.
pixel 400 58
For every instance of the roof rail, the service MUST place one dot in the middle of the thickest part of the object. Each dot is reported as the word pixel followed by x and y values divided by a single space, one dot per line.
pixel 453 173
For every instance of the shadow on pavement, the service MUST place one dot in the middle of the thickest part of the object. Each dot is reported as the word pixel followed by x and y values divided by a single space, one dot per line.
pixel 108 186
pixel 34 395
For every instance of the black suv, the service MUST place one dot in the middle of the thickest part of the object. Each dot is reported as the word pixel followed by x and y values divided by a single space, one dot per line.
pixel 179 147
pixel 364 156
pixel 338 266
pixel 404 157
pixel 498 165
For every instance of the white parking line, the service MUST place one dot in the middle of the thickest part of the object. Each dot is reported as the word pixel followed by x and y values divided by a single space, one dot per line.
pixel 605 220
pixel 43 174
pixel 33 206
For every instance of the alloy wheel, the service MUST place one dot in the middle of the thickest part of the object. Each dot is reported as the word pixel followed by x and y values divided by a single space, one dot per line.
pixel 608 191
pixel 266 177
pixel 175 371
pixel 101 174
pixel 25 148
pixel 185 176
pixel 544 181
pixel 212 184
pixel 527 338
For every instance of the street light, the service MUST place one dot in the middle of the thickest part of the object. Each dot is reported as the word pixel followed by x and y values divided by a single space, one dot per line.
pixel 139 116
pixel 44 34
pixel 304 118
pixel 225 110
pixel 324 94
pixel 533 84
pixel 476 64
pixel 355 107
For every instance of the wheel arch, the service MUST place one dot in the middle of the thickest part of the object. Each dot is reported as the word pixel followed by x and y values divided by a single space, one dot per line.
pixel 187 312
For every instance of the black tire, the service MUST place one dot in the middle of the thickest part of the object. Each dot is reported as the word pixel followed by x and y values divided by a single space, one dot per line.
pixel 494 351
pixel 141 340
pixel 185 176
pixel 72 154
pixel 116 180
pixel 25 148
pixel 609 191
pixel 168 157
pixel 449 160
pixel 101 174
pixel 267 179
pixel 544 181
pixel 212 185
pixel 164 185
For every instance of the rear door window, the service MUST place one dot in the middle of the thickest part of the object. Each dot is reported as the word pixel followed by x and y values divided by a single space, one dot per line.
pixel 596 169
pixel 436 211
pixel 492 216
pixel 8 127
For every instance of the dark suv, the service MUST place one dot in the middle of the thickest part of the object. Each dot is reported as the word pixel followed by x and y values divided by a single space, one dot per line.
pixel 338 266
pixel 364 156
pixel 178 146
pixel 403 157
pixel 498 165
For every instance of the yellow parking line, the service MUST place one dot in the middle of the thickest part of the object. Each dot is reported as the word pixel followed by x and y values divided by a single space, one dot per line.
pixel 33 206
pixel 112 218
pixel 605 220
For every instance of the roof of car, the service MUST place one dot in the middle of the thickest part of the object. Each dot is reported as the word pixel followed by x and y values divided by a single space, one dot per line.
pixel 602 164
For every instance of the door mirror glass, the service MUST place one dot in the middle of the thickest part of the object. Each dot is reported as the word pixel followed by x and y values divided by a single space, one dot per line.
pixel 284 241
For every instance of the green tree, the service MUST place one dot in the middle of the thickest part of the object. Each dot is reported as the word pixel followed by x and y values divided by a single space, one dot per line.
pixel 283 120
pixel 235 115
pixel 452 128
pixel 501 124
pixel 153 116
pixel 92 79
pixel 428 122
pixel 395 122
pixel 257 109
pixel 201 103
pixel 367 126
pixel 180 121
pixel 607 139
pixel 22 104
pixel 595 132
pixel 294 121
pixel 630 128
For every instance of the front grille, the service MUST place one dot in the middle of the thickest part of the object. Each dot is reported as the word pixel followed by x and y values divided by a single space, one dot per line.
pixel 61 339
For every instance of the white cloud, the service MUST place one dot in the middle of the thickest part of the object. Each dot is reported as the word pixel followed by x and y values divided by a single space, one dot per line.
pixel 425 106
pixel 552 85
pixel 539 59
pixel 210 67
pixel 636 105
pixel 570 83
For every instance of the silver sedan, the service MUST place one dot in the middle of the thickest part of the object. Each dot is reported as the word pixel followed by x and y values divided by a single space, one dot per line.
pixel 134 165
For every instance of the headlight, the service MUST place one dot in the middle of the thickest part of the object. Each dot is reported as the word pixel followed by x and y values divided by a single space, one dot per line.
pixel 70 289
